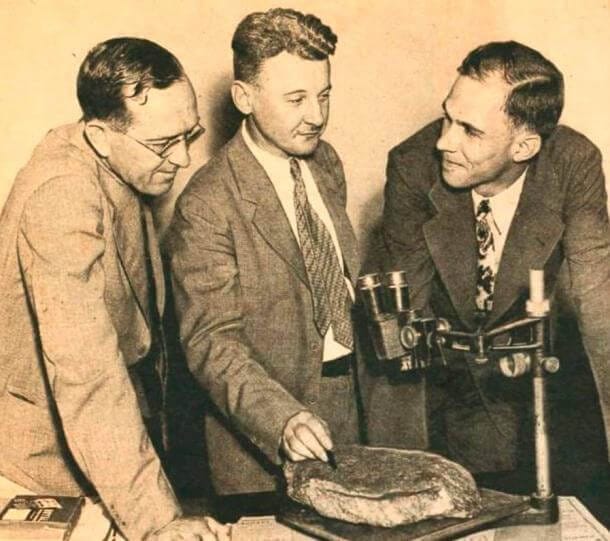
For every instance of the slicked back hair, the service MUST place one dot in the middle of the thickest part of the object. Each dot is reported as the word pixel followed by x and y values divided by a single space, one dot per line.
pixel 122 68
pixel 537 90
pixel 260 36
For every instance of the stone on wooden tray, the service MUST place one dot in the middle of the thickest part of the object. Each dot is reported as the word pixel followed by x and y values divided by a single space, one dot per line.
pixel 384 487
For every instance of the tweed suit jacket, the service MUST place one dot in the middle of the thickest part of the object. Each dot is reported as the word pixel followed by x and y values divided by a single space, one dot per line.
pixel 245 307
pixel 429 231
pixel 71 322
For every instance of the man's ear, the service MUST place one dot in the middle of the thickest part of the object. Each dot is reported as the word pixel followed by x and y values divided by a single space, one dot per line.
pixel 527 144
pixel 241 93
pixel 97 135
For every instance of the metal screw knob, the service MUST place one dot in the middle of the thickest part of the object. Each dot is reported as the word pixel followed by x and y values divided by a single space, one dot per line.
pixel 409 337
pixel 515 365
pixel 550 364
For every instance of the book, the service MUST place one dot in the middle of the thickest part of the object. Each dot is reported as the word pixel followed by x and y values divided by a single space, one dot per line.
pixel 40 517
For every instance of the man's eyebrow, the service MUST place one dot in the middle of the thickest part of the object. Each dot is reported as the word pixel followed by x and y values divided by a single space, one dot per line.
pixel 170 137
pixel 303 91
pixel 465 125
pixel 298 91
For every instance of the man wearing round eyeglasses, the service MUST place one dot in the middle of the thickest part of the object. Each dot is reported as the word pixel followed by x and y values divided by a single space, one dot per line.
pixel 146 140
pixel 82 354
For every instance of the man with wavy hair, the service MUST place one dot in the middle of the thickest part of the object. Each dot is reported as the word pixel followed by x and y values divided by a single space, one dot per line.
pixel 472 202
pixel 263 255
pixel 82 351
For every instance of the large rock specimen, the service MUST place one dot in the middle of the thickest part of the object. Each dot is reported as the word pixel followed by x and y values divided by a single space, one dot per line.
pixel 384 487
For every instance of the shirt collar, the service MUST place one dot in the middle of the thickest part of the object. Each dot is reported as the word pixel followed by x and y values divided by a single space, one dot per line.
pixel 264 157
pixel 508 196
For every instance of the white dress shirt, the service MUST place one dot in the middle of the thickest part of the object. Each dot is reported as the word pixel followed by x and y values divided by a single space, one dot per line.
pixel 278 171
pixel 503 207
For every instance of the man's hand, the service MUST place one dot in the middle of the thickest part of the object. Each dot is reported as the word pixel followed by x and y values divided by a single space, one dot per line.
pixel 306 436
pixel 193 529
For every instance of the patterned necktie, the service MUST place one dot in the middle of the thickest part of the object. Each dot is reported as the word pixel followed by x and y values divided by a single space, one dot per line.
pixel 486 260
pixel 331 300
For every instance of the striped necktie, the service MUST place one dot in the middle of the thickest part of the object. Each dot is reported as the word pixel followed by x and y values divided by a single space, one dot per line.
pixel 331 300
pixel 486 257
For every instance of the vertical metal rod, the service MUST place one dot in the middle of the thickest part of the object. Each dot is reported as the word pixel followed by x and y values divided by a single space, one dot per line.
pixel 543 462
pixel 541 434
pixel 543 499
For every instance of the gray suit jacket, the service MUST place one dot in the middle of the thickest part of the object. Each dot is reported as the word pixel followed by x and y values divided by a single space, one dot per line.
pixel 72 319
pixel 245 307
pixel 562 215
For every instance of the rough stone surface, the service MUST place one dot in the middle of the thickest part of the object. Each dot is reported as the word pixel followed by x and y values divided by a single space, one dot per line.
pixel 384 487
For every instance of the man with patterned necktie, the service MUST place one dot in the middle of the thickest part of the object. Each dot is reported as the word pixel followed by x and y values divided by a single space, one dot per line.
pixel 472 202
pixel 262 255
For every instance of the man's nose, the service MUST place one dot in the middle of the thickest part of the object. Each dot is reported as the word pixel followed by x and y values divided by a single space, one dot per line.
pixel 179 154
pixel 314 114
pixel 447 142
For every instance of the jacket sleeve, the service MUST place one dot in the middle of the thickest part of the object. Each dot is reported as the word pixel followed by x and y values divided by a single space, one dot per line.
pixel 406 209
pixel 587 250
pixel 205 274
pixel 61 245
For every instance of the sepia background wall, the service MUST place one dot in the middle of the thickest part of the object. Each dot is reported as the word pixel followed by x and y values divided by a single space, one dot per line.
pixel 394 64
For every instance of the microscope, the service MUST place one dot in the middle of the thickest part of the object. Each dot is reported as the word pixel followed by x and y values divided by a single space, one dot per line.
pixel 402 338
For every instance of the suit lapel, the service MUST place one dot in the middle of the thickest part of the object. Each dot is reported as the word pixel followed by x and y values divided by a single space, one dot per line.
pixel 155 257
pixel 266 211
pixel 343 228
pixel 127 230
pixel 450 237
pixel 533 235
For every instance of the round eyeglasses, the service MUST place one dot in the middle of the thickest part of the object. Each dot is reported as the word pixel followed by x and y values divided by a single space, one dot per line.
pixel 163 148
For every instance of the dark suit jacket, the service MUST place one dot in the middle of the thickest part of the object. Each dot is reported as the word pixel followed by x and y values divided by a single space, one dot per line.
pixel 245 308
pixel 429 231
pixel 72 320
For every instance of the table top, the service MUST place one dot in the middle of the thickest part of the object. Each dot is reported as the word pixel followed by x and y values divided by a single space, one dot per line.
pixel 576 522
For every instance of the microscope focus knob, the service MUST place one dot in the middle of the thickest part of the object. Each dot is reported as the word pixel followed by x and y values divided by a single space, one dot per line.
pixel 550 364
pixel 515 365
pixel 443 326
pixel 409 337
